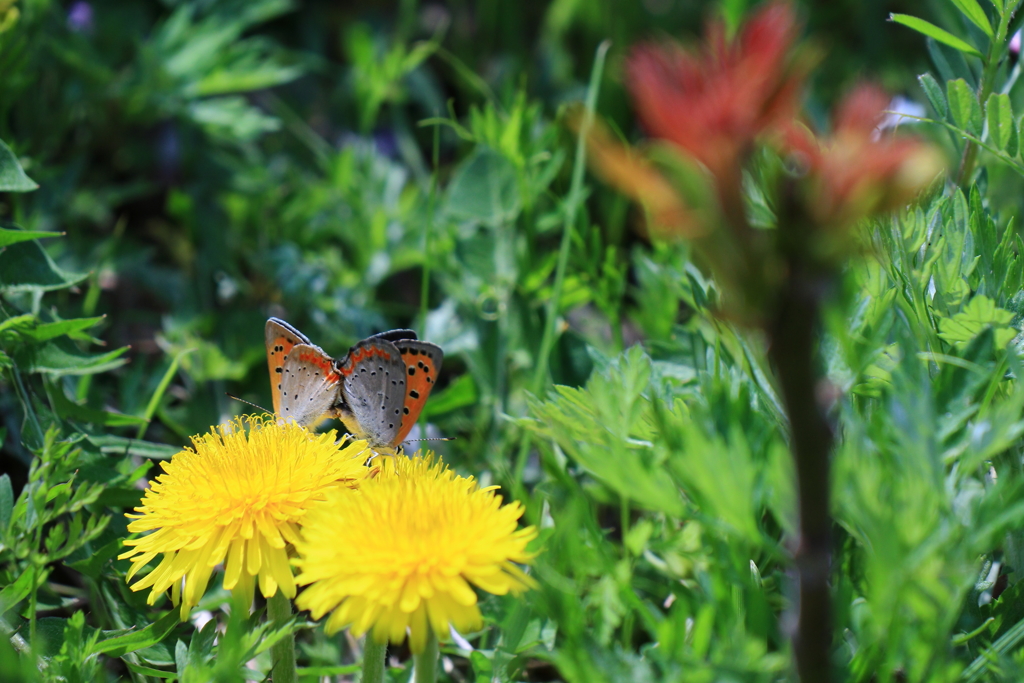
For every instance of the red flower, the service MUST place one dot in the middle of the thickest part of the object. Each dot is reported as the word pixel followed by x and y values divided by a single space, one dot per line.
pixel 859 171
pixel 715 102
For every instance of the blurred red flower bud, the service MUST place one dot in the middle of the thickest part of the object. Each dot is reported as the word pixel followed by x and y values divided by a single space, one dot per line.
pixel 715 102
pixel 858 170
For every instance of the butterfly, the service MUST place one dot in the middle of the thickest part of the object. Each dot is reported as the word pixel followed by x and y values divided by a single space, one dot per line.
pixel 378 389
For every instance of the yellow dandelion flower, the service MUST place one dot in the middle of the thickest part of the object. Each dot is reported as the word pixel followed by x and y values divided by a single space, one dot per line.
pixel 401 553
pixel 236 497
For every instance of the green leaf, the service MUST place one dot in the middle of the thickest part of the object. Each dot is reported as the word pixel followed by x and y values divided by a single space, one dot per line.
pixel 68 409
pixel 1001 126
pixel 608 428
pixel 9 237
pixel 93 563
pixel 6 504
pixel 933 91
pixel 155 673
pixel 1007 643
pixel 232 118
pixel 484 189
pixel 59 359
pixel 322 671
pixel 964 106
pixel 975 14
pixel 25 267
pixel 12 176
pixel 459 394
pixel 979 313
pixel 120 645
pixel 47 331
pixel 15 592
pixel 932 31
pixel 1013 145
pixel 124 446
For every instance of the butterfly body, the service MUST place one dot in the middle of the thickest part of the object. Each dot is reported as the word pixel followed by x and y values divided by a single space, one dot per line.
pixel 378 388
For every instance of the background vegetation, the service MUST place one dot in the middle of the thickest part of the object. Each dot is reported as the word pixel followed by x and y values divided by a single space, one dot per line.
pixel 353 167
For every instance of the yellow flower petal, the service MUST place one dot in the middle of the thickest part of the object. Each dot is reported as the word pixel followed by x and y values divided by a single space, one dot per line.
pixel 401 555
pixel 235 497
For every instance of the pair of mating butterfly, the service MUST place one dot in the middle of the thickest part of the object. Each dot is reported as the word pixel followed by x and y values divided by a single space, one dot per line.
pixel 378 389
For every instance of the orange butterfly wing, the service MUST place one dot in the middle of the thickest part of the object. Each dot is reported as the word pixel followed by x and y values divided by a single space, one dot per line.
pixel 422 364
pixel 280 338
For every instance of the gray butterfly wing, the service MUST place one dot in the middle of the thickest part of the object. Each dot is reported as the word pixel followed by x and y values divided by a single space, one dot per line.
pixel 373 391
pixel 310 385
pixel 280 338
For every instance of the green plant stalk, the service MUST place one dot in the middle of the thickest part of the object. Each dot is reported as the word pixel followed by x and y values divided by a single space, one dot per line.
pixel 154 400
pixel 573 202
pixel 572 206
pixel 32 603
pixel 279 611
pixel 1000 154
pixel 988 77
pixel 425 663
pixel 374 654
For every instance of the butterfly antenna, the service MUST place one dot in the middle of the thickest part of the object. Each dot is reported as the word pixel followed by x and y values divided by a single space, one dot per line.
pixel 249 403
pixel 432 438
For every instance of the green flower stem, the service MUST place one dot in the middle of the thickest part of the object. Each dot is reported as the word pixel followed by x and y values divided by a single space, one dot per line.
pixel 425 663
pixel 373 660
pixel 279 611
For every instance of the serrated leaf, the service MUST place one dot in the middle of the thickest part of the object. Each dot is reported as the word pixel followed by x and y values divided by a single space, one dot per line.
pixel 12 176
pixel 932 31
pixel 975 14
pixel 979 313
pixel 933 91
pixel 9 237
pixel 1000 120
pixel 25 267
pixel 963 105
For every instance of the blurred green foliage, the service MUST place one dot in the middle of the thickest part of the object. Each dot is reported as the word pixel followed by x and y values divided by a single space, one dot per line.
pixel 173 173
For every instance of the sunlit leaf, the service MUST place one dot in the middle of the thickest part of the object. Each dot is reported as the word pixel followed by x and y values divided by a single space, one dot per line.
pixel 973 11
pixel 933 91
pixel 9 237
pixel 980 313
pixel 932 31
pixel 1001 125
pixel 963 104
